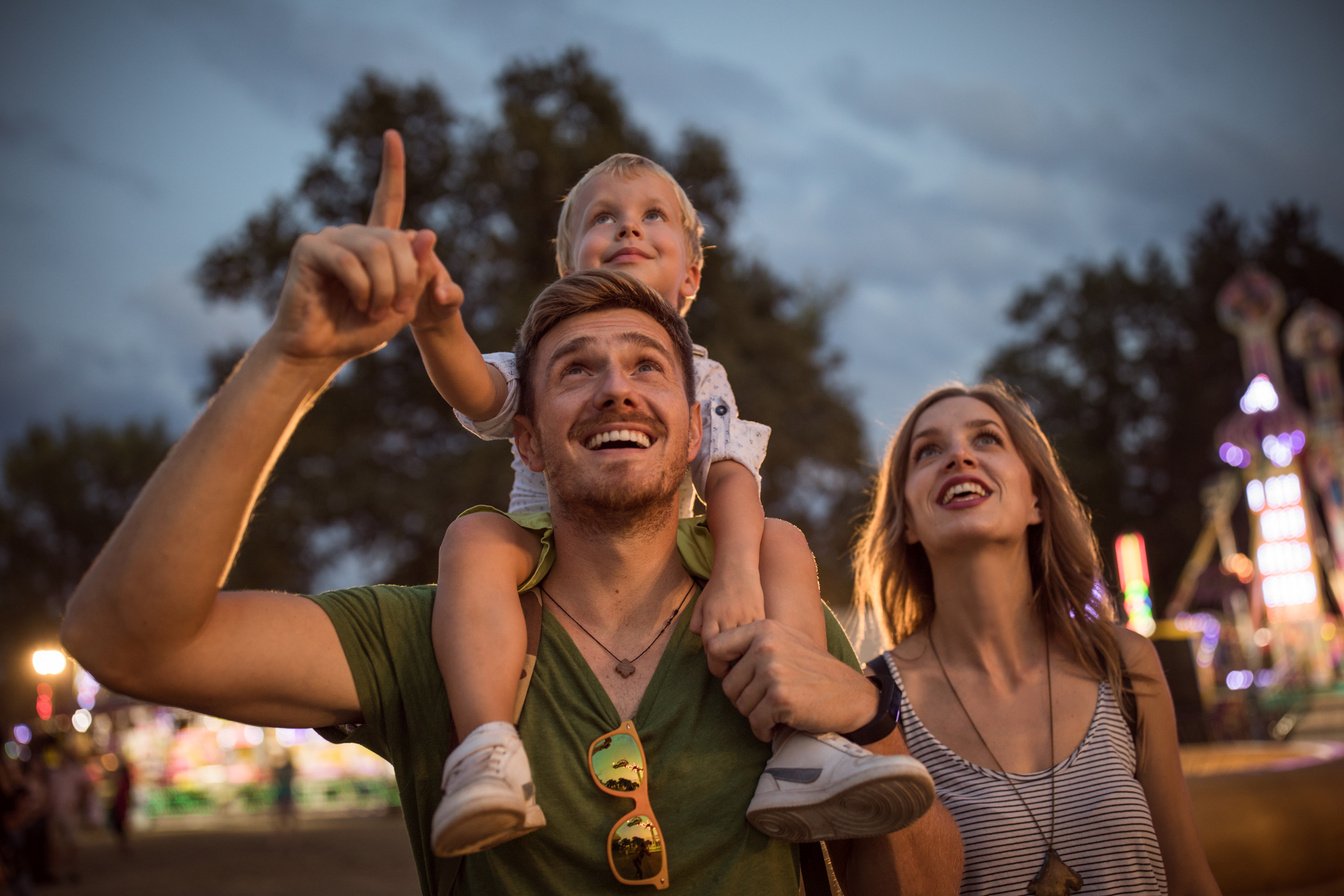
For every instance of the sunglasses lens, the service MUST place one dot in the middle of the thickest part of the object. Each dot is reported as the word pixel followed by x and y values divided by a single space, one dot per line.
pixel 618 763
pixel 637 849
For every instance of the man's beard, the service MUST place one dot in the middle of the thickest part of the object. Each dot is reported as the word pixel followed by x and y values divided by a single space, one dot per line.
pixel 608 504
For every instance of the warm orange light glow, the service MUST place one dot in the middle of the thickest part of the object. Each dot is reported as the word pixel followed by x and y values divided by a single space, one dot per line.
pixel 48 661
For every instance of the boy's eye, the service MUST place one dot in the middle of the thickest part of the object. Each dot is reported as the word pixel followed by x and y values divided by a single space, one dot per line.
pixel 655 214
pixel 603 218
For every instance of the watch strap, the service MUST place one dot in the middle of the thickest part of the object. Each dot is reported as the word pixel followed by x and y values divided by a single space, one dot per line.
pixel 888 705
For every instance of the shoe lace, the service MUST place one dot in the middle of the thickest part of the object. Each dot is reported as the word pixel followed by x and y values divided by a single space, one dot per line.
pixel 486 760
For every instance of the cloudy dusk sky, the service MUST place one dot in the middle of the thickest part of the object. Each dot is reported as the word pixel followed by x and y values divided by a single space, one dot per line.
pixel 932 157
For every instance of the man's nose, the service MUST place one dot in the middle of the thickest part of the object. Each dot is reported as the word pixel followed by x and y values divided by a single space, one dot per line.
pixel 616 387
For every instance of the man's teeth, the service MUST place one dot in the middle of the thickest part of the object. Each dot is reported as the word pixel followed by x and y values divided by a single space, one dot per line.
pixel 962 489
pixel 633 436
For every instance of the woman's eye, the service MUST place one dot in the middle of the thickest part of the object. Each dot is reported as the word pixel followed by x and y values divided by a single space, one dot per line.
pixel 989 438
pixel 923 451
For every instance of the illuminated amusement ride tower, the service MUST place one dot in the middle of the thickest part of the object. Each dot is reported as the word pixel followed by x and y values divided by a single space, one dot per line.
pixel 1273 443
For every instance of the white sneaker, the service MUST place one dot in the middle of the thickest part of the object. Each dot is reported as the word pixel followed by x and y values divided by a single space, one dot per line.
pixel 824 787
pixel 488 797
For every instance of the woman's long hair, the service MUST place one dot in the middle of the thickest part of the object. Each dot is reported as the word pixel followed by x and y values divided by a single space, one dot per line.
pixel 893 582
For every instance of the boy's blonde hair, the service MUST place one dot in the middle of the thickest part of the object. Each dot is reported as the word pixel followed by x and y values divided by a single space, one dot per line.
pixel 624 165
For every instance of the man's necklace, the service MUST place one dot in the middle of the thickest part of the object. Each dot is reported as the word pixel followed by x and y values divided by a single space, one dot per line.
pixel 1055 878
pixel 624 668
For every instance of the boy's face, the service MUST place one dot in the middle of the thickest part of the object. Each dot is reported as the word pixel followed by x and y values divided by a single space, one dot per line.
pixel 633 224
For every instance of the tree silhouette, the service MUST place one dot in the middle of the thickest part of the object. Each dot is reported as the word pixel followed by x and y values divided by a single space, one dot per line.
pixel 380 467
pixel 1130 372
pixel 65 488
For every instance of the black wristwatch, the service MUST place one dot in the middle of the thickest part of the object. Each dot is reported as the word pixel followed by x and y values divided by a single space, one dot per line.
pixel 888 705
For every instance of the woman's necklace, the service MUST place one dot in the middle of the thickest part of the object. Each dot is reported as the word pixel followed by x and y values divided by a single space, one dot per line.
pixel 624 668
pixel 1055 878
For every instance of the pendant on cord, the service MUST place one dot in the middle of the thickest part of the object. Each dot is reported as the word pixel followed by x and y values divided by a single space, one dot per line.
pixel 1055 878
pixel 625 668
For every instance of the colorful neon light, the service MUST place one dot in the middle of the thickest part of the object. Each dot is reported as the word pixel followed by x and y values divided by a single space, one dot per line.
pixel 1260 396
pixel 1131 561
pixel 1283 555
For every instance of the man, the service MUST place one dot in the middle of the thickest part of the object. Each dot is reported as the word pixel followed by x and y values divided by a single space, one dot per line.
pixel 148 619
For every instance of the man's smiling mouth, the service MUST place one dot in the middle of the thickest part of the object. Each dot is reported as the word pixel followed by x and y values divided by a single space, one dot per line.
pixel 618 438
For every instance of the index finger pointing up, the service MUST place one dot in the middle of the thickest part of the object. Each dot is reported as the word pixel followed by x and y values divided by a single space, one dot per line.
pixel 389 199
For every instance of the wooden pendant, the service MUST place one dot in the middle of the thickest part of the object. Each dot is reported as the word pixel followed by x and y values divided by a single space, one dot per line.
pixel 625 668
pixel 1055 878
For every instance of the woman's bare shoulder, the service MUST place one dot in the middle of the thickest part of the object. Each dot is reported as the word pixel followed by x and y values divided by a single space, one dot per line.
pixel 1138 654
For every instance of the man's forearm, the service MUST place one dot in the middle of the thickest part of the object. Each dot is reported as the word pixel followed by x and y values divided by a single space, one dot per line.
pixel 154 584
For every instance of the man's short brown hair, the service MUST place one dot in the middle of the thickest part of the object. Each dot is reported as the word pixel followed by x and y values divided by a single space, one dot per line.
pixel 585 292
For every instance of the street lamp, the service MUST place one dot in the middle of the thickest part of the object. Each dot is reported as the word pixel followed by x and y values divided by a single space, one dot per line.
pixel 49 661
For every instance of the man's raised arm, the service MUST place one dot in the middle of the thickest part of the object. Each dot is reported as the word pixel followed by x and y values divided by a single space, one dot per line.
pixel 148 618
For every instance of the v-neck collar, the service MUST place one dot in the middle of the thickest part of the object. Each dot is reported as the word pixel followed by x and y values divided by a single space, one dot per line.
pixel 675 643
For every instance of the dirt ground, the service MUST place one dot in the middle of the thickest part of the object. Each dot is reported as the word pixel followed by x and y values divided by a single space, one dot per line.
pixel 355 856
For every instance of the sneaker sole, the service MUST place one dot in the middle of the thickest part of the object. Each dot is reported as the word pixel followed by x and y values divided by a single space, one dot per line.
pixel 486 829
pixel 886 801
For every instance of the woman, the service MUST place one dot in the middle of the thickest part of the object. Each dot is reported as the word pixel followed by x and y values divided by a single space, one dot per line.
pixel 981 565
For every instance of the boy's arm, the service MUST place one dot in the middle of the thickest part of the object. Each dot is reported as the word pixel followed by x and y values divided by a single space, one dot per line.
pixel 726 474
pixel 733 512
pixel 474 388
pixel 148 619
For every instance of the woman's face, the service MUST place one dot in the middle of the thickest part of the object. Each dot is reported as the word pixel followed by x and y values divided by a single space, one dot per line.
pixel 965 485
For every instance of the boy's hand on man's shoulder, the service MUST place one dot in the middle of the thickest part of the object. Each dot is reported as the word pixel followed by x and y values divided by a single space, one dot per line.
pixel 729 600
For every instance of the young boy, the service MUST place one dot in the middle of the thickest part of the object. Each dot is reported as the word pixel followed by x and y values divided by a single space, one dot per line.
pixel 627 214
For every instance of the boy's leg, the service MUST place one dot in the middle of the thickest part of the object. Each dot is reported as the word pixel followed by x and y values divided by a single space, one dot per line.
pixel 478 630
pixel 479 643
pixel 823 787
pixel 789 581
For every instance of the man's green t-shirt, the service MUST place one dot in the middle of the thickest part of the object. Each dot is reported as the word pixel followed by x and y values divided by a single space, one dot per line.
pixel 703 762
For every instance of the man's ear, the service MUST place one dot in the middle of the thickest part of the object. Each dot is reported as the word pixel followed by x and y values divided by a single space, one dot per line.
pixel 696 433
pixel 529 447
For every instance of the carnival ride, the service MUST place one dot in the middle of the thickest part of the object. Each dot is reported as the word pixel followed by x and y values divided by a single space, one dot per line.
pixel 1267 806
